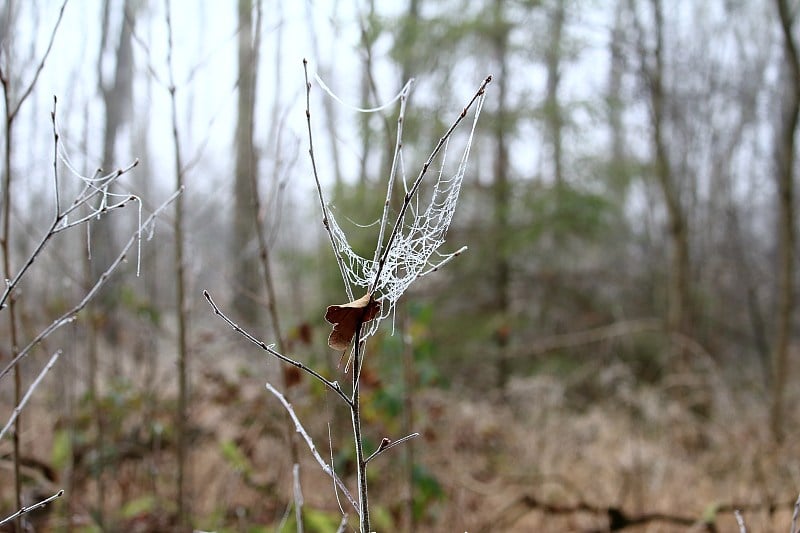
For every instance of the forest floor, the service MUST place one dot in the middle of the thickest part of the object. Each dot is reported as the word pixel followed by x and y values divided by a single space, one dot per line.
pixel 599 454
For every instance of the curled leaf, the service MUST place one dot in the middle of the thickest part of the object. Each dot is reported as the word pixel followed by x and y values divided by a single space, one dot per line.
pixel 346 318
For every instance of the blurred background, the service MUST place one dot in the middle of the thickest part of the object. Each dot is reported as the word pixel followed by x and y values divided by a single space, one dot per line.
pixel 615 351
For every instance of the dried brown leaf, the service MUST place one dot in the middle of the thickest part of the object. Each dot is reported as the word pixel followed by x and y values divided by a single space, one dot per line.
pixel 346 318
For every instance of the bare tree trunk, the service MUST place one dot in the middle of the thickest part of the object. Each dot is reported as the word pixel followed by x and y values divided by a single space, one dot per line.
pixel 117 101
pixel 181 304
pixel 5 243
pixel 244 251
pixel 678 286
pixel 613 103
pixel 501 190
pixel 785 147
pixel 553 119
pixel 409 367
pixel 409 389
pixel 11 108
pixel 116 97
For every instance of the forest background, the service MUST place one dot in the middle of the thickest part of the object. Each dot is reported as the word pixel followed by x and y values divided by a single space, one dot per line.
pixel 615 350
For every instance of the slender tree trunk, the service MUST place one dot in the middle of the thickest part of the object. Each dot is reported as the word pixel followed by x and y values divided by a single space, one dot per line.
pixel 678 286
pixel 116 96
pixel 613 99
pixel 181 304
pixel 244 251
pixel 784 167
pixel 409 31
pixel 117 101
pixel 501 191
pixel 12 313
pixel 409 390
pixel 553 119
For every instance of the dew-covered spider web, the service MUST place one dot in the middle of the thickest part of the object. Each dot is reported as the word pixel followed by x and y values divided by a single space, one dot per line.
pixel 408 241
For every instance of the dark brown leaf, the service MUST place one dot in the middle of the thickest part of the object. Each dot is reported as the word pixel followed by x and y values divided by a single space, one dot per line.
pixel 347 317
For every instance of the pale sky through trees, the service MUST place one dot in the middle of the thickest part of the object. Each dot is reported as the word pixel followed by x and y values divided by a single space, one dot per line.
pixel 205 65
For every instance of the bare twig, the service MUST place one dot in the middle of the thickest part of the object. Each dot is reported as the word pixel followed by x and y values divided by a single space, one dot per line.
pixel 33 507
pixel 371 276
pixel 323 205
pixel 34 385
pixel 387 444
pixel 301 430
pixel 444 261
pixel 71 315
pixel 333 385
pixel 358 442
pixel 61 218
pixel 795 514
pixel 12 113
pixel 395 162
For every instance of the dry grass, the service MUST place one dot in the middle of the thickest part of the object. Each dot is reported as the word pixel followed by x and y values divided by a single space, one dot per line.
pixel 642 449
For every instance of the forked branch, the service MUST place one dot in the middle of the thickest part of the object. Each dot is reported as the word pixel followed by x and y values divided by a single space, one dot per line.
pixel 328 469
pixel 333 385
pixel 71 315
pixel 93 187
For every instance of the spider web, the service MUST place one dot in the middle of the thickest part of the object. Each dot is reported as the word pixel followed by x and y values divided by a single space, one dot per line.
pixel 414 249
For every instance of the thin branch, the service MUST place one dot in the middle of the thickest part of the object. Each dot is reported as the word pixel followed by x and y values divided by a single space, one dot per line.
pixel 33 507
pixel 358 441
pixel 299 427
pixel 333 385
pixel 795 515
pixel 29 393
pixel 55 155
pixel 395 162
pixel 444 261
pixel 13 112
pixel 387 444
pixel 323 206
pixel 60 218
pixel 71 315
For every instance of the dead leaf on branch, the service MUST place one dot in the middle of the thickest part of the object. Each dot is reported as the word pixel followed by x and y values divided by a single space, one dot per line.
pixel 346 318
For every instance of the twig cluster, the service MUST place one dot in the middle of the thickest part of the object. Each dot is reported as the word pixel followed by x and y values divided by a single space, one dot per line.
pixel 410 250
pixel 96 197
